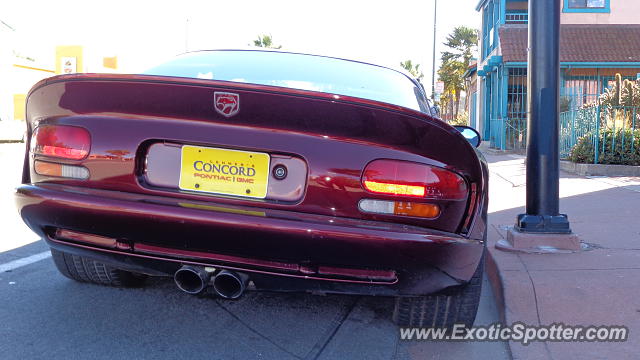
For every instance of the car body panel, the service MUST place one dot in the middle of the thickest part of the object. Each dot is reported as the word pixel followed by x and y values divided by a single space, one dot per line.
pixel 298 126
pixel 271 237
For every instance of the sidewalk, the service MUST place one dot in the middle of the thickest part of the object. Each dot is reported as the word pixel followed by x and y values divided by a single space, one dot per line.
pixel 12 130
pixel 597 286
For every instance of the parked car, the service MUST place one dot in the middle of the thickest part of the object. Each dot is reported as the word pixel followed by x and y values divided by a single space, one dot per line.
pixel 262 170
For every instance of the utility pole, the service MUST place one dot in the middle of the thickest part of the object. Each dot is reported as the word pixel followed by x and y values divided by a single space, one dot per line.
pixel 186 35
pixel 433 67
pixel 7 25
pixel 542 226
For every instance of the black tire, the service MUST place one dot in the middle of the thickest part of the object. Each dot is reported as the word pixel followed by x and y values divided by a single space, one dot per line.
pixel 442 310
pixel 86 270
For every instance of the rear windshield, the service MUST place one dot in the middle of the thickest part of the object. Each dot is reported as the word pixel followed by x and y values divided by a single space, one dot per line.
pixel 298 71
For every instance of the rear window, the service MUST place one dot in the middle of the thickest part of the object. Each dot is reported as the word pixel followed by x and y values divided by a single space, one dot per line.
pixel 298 71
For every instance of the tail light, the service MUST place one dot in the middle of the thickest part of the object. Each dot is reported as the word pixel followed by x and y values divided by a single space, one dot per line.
pixel 61 141
pixel 400 208
pixel 60 170
pixel 409 179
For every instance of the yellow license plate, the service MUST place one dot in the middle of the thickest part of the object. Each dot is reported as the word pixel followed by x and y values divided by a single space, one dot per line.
pixel 224 171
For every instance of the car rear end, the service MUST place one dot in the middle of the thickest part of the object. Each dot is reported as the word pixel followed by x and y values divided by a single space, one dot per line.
pixel 299 190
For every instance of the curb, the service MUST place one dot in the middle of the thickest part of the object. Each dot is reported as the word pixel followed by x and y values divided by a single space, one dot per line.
pixel 492 151
pixel 495 279
pixel 599 169
pixel 519 307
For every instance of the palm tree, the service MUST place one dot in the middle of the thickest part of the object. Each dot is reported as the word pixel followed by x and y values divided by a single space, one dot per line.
pixel 461 44
pixel 415 71
pixel 450 73
pixel 265 41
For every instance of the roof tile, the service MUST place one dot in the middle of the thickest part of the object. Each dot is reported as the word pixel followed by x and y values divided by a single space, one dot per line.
pixel 579 43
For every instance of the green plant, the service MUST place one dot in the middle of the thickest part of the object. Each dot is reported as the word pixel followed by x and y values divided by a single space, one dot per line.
pixel 460 44
pixel 461 119
pixel 413 70
pixel 565 103
pixel 619 147
pixel 583 151
pixel 265 41
pixel 622 93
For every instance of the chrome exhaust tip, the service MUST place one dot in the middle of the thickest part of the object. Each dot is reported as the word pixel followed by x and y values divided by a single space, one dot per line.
pixel 229 284
pixel 192 279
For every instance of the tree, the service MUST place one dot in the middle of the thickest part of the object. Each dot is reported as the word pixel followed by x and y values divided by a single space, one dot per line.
pixel 461 45
pixel 450 73
pixel 265 41
pixel 415 71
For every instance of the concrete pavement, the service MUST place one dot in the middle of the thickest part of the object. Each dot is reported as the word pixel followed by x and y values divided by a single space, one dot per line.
pixel 597 286
pixel 46 316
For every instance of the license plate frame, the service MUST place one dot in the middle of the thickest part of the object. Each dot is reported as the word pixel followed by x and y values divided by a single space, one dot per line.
pixel 222 171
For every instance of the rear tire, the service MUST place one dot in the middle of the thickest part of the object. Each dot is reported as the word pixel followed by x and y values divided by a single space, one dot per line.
pixel 87 270
pixel 439 311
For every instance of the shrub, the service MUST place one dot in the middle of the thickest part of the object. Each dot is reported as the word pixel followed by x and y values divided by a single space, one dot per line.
pixel 461 119
pixel 620 147
pixel 583 152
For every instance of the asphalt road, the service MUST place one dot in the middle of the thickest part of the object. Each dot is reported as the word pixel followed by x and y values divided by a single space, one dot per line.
pixel 44 315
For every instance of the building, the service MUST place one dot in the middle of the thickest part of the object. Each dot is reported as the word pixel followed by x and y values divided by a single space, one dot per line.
pixel 471 96
pixel 598 39
pixel 21 66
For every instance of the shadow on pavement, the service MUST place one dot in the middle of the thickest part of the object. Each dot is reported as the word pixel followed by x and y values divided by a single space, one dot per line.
pixel 597 286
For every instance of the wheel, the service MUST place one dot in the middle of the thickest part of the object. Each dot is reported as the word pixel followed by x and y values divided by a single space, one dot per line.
pixel 86 270
pixel 442 310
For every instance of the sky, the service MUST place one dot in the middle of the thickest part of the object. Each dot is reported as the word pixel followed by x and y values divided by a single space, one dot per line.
pixel 144 33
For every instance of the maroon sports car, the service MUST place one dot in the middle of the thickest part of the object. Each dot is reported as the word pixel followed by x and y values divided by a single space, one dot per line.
pixel 264 170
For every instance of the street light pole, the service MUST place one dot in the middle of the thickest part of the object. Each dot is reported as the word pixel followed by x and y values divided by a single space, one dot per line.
pixel 7 25
pixel 186 35
pixel 543 190
pixel 433 67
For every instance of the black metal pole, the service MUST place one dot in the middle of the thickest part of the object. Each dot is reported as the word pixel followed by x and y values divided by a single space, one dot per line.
pixel 7 25
pixel 186 35
pixel 433 62
pixel 543 86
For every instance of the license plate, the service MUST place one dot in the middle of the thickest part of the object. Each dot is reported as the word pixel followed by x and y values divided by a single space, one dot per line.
pixel 224 171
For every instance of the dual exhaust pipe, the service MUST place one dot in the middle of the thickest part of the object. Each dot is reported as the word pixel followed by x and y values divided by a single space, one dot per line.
pixel 195 279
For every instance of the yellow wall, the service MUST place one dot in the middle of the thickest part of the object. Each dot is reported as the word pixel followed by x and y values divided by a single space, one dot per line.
pixel 75 51
pixel 18 106
pixel 110 62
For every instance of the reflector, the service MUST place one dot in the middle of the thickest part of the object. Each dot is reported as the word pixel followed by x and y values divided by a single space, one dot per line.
pixel 416 209
pixel 401 208
pixel 61 170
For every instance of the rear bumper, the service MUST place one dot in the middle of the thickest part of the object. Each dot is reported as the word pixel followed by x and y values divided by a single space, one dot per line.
pixel 281 250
